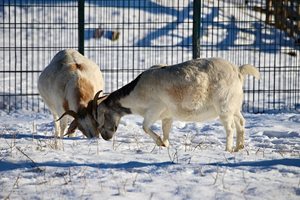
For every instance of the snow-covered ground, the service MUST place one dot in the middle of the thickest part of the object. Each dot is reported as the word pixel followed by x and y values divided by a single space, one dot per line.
pixel 34 165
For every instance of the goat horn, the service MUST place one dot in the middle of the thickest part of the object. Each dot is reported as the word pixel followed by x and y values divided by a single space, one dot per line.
pixel 95 99
pixel 69 112
pixel 102 97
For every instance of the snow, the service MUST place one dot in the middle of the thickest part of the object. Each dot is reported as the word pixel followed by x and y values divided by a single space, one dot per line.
pixel 35 165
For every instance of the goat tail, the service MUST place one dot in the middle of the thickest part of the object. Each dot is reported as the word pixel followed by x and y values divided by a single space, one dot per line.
pixel 249 70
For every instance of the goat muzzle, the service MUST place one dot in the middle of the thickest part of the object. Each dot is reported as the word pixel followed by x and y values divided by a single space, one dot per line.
pixel 106 136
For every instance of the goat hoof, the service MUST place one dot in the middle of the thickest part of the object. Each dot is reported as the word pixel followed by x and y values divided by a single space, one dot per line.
pixel 159 142
pixel 166 143
pixel 230 150
pixel 162 143
pixel 239 147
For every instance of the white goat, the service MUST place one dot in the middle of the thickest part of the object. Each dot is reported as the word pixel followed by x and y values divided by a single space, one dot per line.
pixel 195 90
pixel 67 86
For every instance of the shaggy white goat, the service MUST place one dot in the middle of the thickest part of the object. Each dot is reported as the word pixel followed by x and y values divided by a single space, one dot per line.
pixel 67 86
pixel 195 90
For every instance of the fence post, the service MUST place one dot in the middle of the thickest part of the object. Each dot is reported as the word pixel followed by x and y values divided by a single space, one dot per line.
pixel 196 28
pixel 81 26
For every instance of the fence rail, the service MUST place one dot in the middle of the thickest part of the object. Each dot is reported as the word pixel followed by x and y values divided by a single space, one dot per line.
pixel 126 37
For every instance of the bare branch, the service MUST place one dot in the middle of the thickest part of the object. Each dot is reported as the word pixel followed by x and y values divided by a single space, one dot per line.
pixel 16 183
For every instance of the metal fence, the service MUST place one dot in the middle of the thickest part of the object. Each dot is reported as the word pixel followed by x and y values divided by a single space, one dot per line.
pixel 150 32
pixel 126 37
pixel 237 31
pixel 31 32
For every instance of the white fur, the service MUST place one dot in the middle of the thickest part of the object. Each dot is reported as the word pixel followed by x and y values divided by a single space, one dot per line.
pixel 60 84
pixel 195 90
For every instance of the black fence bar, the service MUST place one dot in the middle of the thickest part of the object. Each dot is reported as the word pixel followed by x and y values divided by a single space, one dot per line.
pixel 196 28
pixel 81 26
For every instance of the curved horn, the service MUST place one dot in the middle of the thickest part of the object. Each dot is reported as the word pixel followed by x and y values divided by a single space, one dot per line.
pixel 69 112
pixel 95 99
pixel 102 97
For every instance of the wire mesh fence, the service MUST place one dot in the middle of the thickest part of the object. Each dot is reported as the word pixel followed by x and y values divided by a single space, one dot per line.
pixel 245 32
pixel 31 33
pixel 126 37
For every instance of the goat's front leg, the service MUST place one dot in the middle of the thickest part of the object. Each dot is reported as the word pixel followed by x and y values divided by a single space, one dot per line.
pixel 166 127
pixel 62 124
pixel 58 127
pixel 153 135
pixel 149 119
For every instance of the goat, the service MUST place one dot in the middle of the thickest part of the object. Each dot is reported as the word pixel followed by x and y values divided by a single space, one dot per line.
pixel 195 90
pixel 67 86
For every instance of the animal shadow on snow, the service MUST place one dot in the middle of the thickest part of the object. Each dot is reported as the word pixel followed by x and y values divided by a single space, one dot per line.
pixel 264 164
pixel 127 166
pixel 34 136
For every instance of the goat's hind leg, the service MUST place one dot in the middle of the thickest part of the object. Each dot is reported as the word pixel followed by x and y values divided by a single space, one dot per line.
pixel 228 123
pixel 240 131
